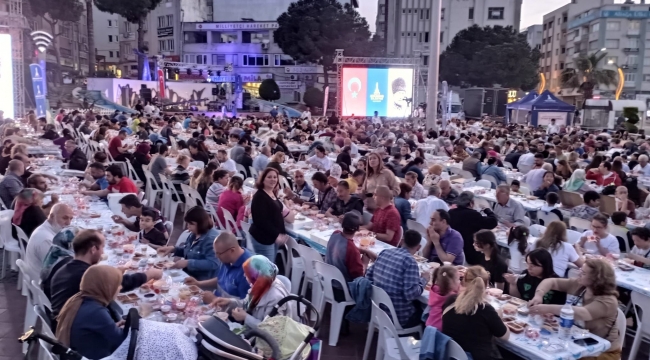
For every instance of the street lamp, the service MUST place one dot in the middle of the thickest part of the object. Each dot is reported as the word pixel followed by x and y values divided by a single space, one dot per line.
pixel 599 50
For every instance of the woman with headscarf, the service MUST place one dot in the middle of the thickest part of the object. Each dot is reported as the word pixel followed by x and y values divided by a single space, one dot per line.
pixel 85 324
pixel 28 211
pixel 577 182
pixel 266 291
pixel 60 254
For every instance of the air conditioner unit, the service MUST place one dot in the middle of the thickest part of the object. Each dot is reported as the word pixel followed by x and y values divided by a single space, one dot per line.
pixel 293 77
pixel 265 46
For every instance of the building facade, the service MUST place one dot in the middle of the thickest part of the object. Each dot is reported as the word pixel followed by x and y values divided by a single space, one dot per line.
pixel 409 21
pixel 106 28
pixel 534 36
pixel 553 51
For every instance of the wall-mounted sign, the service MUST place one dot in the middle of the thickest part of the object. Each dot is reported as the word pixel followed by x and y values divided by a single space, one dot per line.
pixel 166 31
pixel 301 69
pixel 288 84
pixel 244 78
pixel 239 26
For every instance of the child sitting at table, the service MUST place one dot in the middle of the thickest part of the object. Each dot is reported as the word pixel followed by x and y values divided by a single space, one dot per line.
pixel 640 253
pixel 148 233
pixel 619 219
pixel 446 282
pixel 550 206
pixel 485 241
pixel 514 186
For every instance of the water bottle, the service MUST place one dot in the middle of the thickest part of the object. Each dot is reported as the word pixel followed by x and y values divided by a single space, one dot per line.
pixel 566 322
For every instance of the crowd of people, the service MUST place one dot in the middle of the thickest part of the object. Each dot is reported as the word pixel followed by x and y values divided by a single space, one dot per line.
pixel 367 176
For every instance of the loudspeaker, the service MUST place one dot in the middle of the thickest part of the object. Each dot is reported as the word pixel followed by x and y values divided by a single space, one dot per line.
pixel 145 94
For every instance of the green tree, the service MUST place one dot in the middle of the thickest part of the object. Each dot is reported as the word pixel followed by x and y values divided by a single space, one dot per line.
pixel 90 23
pixel 587 74
pixel 313 97
pixel 632 118
pixel 485 56
pixel 57 12
pixel 135 12
pixel 310 30
pixel 269 90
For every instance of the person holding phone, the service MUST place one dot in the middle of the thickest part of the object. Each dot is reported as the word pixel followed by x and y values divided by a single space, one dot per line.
pixel 594 298
pixel 377 175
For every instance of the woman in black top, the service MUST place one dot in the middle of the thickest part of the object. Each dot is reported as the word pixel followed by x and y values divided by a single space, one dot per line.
pixel 141 159
pixel 6 156
pixel 180 176
pixel 28 212
pixel 247 160
pixel 280 141
pixel 205 180
pixel 486 242
pixel 199 152
pixel 539 267
pixel 268 215
pixel 344 157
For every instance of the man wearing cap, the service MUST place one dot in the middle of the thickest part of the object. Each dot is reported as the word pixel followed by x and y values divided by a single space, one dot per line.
pixel 386 221
pixel 341 250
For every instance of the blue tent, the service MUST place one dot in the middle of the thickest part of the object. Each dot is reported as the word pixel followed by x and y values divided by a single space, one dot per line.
pixel 514 106
pixel 546 103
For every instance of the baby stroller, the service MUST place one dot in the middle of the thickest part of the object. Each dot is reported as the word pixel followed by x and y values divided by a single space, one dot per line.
pixel 32 337
pixel 217 342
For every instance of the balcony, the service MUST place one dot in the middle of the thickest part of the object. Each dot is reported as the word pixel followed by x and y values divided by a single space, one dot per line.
pixel 230 48
pixel 128 36
pixel 633 32
pixel 631 50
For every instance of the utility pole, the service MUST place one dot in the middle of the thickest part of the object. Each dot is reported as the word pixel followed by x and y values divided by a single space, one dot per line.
pixel 434 60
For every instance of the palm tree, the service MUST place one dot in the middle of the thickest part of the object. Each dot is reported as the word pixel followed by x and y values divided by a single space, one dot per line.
pixel 587 74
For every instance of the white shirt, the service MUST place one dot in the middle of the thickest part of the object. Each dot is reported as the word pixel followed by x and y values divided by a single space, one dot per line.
pixel 424 208
pixel 376 120
pixel 517 260
pixel 149 109
pixel 609 242
pixel 306 115
pixel 534 178
pixel 526 159
pixel 552 129
pixel 323 163
pixel 354 150
pixel 229 165
pixel 642 170
pixel 562 256
pixel 39 245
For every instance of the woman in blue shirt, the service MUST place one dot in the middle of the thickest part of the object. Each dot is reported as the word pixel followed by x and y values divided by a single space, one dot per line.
pixel 198 258
pixel 416 166
pixel 84 323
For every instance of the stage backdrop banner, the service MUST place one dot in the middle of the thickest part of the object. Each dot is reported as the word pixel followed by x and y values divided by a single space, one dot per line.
pixel 544 118
pixel 385 90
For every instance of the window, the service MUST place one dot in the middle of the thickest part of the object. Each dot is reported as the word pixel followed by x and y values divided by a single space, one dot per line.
pixel 428 13
pixel 117 54
pixel 595 27
pixel 382 9
pixel 613 25
pixel 161 22
pixel 471 13
pixel 110 23
pixel 632 60
pixel 134 67
pixel 419 37
pixel 255 60
pixel 127 26
pixel 218 59
pixel 110 54
pixel 634 25
pixel 442 14
pixel 170 44
pixel 421 14
pixel 557 51
pixel 403 11
pixel 611 44
pixel 544 27
pixel 557 36
pixel 646 77
pixel 162 44
pixel 633 43
pixel 283 60
pixel 416 10
pixel 110 38
pixel 442 34
pixel 544 41
pixel 593 45
pixel 495 13
pixel 426 37
pixel 561 66
pixel 170 20
pixel 425 60
pixel 403 34
pixel 630 77
pixel 563 50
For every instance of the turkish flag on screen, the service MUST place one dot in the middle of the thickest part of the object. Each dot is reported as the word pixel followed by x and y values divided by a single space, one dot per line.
pixel 355 90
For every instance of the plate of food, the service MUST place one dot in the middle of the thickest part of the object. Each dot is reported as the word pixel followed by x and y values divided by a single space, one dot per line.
pixel 516 301
pixel 516 327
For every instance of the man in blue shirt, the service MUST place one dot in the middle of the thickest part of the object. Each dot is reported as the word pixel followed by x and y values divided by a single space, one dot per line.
pixel 230 280
pixel 187 121
pixel 97 179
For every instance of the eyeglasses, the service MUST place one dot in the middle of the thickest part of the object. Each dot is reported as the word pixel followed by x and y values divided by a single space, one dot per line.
pixel 225 251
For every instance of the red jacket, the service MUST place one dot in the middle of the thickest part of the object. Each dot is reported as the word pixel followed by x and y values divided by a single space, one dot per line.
pixel 612 178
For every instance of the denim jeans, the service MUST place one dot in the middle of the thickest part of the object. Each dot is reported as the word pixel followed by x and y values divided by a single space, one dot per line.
pixel 270 251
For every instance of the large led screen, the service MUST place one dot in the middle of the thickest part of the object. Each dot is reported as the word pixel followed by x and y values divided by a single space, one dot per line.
pixel 366 90
pixel 6 76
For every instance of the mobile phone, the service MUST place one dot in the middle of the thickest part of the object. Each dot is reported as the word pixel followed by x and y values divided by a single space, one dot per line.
pixel 586 341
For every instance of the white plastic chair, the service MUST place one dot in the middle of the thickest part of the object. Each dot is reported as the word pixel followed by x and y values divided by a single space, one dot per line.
pixel 215 218
pixel 547 217
pixel 7 242
pixel 134 175
pixel 366 217
pixel 308 256
pixel 621 324
pixel 524 190
pixel 152 190
pixel 640 302
pixel 537 230
pixel 39 296
pixel 284 183
pixel 484 183
pixel 246 227
pixel 41 315
pixel 250 182
pixel 168 198
pixel 573 236
pixel 169 226
pixel 329 273
pixel 579 224
pixel 508 165
pixel 621 232
pixel 197 164
pixel 491 179
pixel 454 351
pixel 182 238
pixel 231 224
pixel 379 297
pixel 31 297
pixel 192 194
pixel 241 170
pixel 22 240
pixel 389 345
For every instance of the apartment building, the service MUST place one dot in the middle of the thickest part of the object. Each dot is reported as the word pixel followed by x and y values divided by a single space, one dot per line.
pixel 553 48
pixel 619 30
pixel 534 36
pixel 408 22
pixel 106 27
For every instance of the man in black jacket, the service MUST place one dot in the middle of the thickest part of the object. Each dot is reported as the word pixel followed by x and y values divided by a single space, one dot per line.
pixel 468 221
pixel 88 248
pixel 78 160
